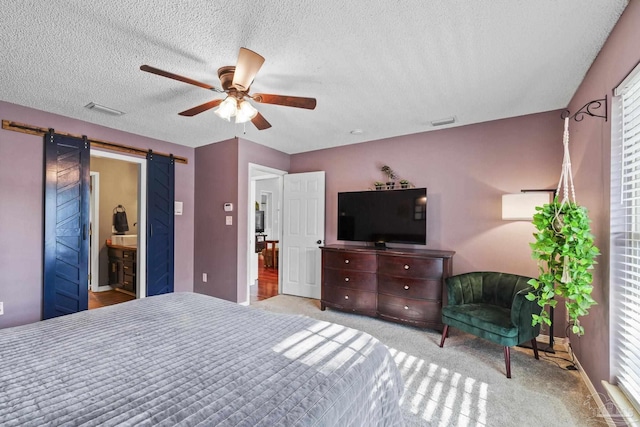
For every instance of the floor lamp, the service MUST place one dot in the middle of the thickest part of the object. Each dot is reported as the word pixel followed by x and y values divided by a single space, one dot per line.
pixel 521 207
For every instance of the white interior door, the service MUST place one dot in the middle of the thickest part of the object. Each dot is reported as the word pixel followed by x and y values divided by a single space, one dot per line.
pixel 303 234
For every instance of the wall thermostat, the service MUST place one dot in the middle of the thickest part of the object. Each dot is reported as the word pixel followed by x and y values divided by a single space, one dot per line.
pixel 228 207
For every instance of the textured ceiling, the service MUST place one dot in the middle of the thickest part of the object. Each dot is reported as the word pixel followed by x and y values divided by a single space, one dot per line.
pixel 386 67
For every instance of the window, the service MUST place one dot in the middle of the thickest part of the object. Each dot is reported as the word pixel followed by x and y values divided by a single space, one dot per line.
pixel 625 238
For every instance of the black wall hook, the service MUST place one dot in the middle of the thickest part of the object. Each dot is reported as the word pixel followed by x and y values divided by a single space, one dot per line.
pixel 588 109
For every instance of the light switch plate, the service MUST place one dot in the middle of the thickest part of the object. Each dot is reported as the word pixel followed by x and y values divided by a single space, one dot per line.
pixel 177 208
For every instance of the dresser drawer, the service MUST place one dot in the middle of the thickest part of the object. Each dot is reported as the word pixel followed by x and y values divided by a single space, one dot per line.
pixel 129 267
pixel 128 282
pixel 402 266
pixel 349 299
pixel 350 279
pixel 411 310
pixel 407 287
pixel 349 260
pixel 126 255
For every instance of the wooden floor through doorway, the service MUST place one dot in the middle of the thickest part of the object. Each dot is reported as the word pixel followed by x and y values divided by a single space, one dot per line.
pixel 102 299
pixel 267 282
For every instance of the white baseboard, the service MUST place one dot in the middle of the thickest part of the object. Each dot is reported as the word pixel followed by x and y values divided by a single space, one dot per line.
pixel 596 405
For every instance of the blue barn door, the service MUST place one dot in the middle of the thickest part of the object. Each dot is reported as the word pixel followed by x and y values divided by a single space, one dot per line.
pixel 66 222
pixel 160 223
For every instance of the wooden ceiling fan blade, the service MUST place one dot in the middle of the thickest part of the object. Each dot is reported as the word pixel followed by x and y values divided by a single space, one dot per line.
pixel 260 122
pixel 288 101
pixel 249 63
pixel 200 108
pixel 159 72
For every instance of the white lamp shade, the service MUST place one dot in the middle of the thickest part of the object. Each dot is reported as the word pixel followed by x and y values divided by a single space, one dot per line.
pixel 227 108
pixel 522 206
pixel 245 112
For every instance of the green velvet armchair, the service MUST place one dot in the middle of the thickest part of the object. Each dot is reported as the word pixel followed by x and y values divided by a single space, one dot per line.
pixel 492 306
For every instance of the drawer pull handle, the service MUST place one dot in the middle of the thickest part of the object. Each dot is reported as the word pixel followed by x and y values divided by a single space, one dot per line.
pixel 346 261
pixel 346 279
pixel 346 297
pixel 406 266
pixel 406 287
pixel 406 307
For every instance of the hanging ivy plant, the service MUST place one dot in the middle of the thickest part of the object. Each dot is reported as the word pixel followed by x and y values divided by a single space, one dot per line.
pixel 566 253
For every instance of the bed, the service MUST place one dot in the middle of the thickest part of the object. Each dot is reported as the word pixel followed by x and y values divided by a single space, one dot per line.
pixel 193 360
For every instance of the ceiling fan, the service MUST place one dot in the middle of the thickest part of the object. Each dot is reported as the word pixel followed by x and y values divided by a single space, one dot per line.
pixel 236 82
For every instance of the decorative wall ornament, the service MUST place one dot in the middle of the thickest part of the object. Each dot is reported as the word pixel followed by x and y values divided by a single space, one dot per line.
pixel 390 182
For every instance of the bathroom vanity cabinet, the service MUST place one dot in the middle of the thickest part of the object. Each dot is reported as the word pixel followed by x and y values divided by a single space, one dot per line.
pixel 123 267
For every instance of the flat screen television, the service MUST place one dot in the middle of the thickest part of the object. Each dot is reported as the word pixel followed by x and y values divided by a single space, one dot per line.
pixel 393 216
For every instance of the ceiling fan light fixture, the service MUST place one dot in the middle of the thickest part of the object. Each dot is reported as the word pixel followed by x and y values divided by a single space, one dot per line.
pixel 236 81
pixel 227 108
pixel 245 112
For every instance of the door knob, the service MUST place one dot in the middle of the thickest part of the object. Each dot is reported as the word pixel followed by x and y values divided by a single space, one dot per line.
pixel 319 242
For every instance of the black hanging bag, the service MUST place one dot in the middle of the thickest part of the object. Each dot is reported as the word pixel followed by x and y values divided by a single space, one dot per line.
pixel 120 220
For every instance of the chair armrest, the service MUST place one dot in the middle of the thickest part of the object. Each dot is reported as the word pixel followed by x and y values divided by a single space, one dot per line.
pixel 522 309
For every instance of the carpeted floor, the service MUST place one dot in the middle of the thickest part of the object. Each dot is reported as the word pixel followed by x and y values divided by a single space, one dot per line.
pixel 463 384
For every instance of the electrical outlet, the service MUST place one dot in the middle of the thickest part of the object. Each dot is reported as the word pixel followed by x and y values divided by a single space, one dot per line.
pixel 204 277
pixel 1 308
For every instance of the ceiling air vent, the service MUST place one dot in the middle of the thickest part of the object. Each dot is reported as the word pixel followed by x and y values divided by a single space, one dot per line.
pixel 443 122
pixel 102 108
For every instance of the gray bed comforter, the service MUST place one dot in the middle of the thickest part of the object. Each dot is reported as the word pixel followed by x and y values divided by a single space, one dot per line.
pixel 188 359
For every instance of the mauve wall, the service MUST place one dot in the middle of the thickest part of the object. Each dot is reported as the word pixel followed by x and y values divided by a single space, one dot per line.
pixel 221 250
pixel 590 142
pixel 215 242
pixel 466 171
pixel 21 207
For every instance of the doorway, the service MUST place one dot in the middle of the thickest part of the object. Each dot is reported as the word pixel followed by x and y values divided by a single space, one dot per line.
pixel 264 231
pixel 117 180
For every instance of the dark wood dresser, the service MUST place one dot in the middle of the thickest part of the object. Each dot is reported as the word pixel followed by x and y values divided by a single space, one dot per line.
pixel 123 268
pixel 401 285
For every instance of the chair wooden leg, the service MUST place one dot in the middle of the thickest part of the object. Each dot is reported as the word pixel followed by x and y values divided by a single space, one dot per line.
pixel 507 360
pixel 445 331
pixel 534 346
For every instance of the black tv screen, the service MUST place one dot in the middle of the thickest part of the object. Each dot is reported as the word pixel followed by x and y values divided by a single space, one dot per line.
pixel 393 216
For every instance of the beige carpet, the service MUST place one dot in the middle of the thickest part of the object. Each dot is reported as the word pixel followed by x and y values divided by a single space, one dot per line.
pixel 464 384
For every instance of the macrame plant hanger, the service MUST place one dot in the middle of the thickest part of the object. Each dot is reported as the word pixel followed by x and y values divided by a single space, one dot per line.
pixel 595 108
pixel 565 182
